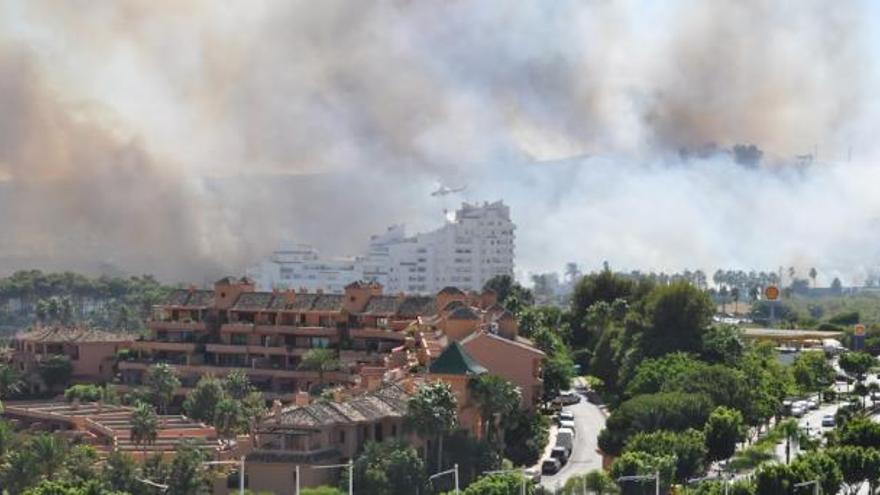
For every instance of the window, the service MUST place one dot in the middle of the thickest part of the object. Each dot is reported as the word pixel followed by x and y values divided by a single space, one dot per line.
pixel 320 342
pixel 342 437
pixel 238 339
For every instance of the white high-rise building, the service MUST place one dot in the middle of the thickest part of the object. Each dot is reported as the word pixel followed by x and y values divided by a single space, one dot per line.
pixel 471 248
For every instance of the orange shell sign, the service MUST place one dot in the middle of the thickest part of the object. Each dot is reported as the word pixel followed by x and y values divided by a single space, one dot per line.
pixel 771 292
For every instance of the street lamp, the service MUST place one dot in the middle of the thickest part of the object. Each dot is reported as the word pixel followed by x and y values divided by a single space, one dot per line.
pixel 644 477
pixel 815 483
pixel 240 470
pixel 454 471
pixel 349 465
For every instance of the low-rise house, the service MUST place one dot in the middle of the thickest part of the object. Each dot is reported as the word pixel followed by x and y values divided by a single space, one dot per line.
pixel 92 353
pixel 516 360
pixel 321 433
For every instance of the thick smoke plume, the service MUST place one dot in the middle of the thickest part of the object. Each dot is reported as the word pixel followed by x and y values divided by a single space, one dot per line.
pixel 188 138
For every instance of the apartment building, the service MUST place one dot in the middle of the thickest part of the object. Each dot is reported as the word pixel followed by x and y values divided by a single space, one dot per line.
pixel 474 245
pixel 267 334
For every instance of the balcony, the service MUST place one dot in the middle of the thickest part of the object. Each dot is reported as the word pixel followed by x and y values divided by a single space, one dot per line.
pixel 376 333
pixel 227 348
pixel 157 345
pixel 188 326
pixel 277 350
pixel 296 330
pixel 241 326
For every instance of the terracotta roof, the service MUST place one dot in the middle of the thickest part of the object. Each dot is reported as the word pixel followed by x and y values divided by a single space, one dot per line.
pixel 388 401
pixel 190 298
pixel 384 305
pixel 233 280
pixel 65 334
pixel 452 290
pixel 463 313
pixel 328 302
pixel 253 300
pixel 302 302
pixel 413 306
pixel 451 305
pixel 518 342
pixel 456 361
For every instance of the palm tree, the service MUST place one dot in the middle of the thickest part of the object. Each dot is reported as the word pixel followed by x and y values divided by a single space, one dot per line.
pixel 49 453
pixel 144 426
pixel 791 430
pixel 723 293
pixel 734 293
pixel 432 413
pixel 229 418
pixel 162 382
pixel 320 360
pixel 496 397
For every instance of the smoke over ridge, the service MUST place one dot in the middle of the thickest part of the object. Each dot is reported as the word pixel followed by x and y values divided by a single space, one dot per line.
pixel 187 138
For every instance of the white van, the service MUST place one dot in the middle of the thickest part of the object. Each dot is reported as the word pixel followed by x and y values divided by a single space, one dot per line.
pixel 565 438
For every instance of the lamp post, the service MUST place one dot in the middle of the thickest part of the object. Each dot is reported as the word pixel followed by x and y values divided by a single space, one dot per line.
pixel 240 463
pixel 644 477
pixel 454 471
pixel 815 483
pixel 349 465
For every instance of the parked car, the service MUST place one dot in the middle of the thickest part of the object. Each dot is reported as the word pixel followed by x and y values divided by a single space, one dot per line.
pixel 843 377
pixel 828 420
pixel 560 453
pixel 568 431
pixel 567 424
pixel 568 397
pixel 875 396
pixel 812 405
pixel 566 416
pixel 798 411
pixel 565 438
pixel 550 466
pixel 533 475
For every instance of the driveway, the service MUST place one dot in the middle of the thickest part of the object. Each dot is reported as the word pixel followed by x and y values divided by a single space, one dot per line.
pixel 588 422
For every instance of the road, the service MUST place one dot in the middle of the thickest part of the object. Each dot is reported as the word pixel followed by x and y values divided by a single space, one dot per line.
pixel 588 422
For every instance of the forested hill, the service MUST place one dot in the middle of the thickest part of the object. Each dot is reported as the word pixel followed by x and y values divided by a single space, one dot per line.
pixel 113 303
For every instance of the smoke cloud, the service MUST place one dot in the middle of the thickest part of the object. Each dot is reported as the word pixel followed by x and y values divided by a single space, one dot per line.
pixel 188 138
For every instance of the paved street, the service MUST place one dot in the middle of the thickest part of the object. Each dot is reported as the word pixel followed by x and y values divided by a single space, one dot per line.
pixel 589 421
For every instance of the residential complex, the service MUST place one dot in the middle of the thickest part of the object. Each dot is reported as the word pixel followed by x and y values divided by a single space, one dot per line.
pixel 384 346
pixel 267 334
pixel 469 249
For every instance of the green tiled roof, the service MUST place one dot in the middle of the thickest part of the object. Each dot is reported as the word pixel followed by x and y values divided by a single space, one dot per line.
pixel 455 361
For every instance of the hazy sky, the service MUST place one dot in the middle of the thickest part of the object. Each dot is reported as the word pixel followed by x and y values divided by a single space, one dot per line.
pixel 187 138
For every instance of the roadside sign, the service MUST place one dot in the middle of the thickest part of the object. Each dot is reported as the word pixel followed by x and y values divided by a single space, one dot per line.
pixel 771 292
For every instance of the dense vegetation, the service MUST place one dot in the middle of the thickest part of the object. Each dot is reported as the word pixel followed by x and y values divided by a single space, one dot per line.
pixel 71 298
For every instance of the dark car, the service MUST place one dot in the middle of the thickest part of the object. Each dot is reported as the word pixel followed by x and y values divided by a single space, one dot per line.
pixel 560 453
pixel 551 466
